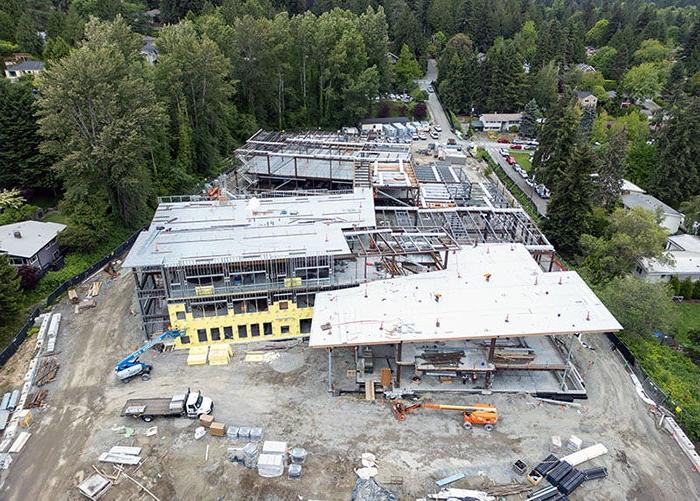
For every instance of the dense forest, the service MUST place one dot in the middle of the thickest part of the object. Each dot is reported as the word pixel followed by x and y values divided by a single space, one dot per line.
pixel 102 131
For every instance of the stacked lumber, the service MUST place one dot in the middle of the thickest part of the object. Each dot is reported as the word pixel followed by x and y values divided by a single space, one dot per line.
pixel 513 357
pixel 47 371
pixel 36 399
pixel 94 289
pixel 73 296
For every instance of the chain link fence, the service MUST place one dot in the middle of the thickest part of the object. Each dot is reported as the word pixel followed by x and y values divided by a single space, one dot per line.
pixel 14 345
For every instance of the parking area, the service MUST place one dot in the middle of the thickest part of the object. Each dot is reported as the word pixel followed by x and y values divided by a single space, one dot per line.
pixel 286 396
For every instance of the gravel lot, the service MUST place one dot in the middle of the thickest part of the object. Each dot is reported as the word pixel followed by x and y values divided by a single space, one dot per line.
pixel 288 398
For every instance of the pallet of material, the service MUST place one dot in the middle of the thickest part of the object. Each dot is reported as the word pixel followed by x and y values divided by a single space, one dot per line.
pixel 108 457
pixel 20 442
pixel 220 354
pixel 85 305
pixel 198 355
pixel 36 399
pixel 73 296
pixel 47 371
pixel 94 487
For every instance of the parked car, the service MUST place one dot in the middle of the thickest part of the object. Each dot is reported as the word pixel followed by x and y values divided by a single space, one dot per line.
pixel 451 141
pixel 434 135
pixel 430 89
pixel 415 137
pixel 510 160
pixel 438 128
pixel 523 173
pixel 530 182
pixel 516 146
pixel 422 137
pixel 503 140
pixel 503 152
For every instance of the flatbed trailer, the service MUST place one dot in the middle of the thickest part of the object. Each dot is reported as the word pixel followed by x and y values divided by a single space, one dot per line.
pixel 190 404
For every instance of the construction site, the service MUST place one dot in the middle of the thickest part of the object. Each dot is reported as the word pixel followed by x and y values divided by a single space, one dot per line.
pixel 339 318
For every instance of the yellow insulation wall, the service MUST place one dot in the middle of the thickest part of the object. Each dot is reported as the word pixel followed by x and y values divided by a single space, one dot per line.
pixel 285 324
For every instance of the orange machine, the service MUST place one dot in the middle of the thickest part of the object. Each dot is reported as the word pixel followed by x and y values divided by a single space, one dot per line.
pixel 482 414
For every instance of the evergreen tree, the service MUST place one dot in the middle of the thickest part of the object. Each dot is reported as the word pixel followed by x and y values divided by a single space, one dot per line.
pixel 10 294
pixel 21 162
pixel 503 81
pixel 569 208
pixel 528 124
pixel 677 174
pixel 588 116
pixel 458 74
pixel 27 34
pixel 406 70
pixel 611 168
pixel 557 143
pixel 691 50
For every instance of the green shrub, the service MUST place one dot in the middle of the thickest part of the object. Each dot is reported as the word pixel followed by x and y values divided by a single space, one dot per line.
pixel 675 285
pixel 696 290
pixel 686 289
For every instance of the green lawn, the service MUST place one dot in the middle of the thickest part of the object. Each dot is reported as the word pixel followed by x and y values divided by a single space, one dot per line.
pixel 56 217
pixel 523 158
pixel 688 319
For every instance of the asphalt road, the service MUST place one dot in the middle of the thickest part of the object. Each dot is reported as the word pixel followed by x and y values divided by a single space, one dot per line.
pixel 492 149
pixel 440 118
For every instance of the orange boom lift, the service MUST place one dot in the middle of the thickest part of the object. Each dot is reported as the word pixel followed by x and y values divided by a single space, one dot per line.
pixel 480 414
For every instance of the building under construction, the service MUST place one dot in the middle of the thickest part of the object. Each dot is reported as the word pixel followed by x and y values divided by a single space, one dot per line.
pixel 303 215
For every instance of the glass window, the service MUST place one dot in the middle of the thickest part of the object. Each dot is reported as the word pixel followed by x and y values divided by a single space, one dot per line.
pixel 185 339
pixel 242 331
pixel 254 330
pixel 305 325
pixel 202 335
pixel 284 329
pixel 215 334
pixel 284 305
pixel 228 332
pixel 267 329
pixel 180 315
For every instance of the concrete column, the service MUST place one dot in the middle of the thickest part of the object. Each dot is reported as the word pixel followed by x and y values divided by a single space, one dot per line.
pixel 399 349
pixel 330 370
pixel 489 360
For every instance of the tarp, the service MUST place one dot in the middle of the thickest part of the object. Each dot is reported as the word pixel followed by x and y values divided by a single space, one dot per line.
pixel 370 490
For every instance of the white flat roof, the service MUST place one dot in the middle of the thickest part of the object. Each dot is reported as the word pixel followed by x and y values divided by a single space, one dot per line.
pixel 685 261
pixel 519 299
pixel 34 236
pixel 246 230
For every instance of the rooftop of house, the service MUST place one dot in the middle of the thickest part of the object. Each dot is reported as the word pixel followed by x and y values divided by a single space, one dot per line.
pixel 251 229
pixel 685 253
pixel 500 117
pixel 631 187
pixel 645 201
pixel 487 291
pixel 28 66
pixel 27 238
pixel 582 94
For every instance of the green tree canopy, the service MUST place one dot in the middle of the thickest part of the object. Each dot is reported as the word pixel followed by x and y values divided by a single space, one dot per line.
pixel 642 308
pixel 10 294
pixel 406 69
pixel 631 235
pixel 99 114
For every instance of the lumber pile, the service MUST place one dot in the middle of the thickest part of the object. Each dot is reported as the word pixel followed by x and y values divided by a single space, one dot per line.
pixel 73 296
pixel 443 358
pixel 94 289
pixel 508 356
pixel 36 399
pixel 47 371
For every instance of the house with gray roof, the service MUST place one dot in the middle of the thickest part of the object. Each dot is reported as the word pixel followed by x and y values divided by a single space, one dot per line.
pixel 23 69
pixel 31 243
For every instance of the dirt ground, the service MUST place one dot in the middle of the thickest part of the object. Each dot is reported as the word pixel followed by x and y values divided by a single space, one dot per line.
pixel 288 398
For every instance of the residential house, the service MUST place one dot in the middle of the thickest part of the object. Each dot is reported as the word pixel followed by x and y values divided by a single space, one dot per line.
pixel 24 68
pixel 501 121
pixel 585 68
pixel 149 50
pixel 586 98
pixel 649 108
pixel 634 196
pixel 685 253
pixel 31 243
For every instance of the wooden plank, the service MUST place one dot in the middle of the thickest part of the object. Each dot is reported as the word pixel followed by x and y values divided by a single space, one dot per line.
pixel 386 377
pixel 106 457
pixel 122 449
pixel 369 391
